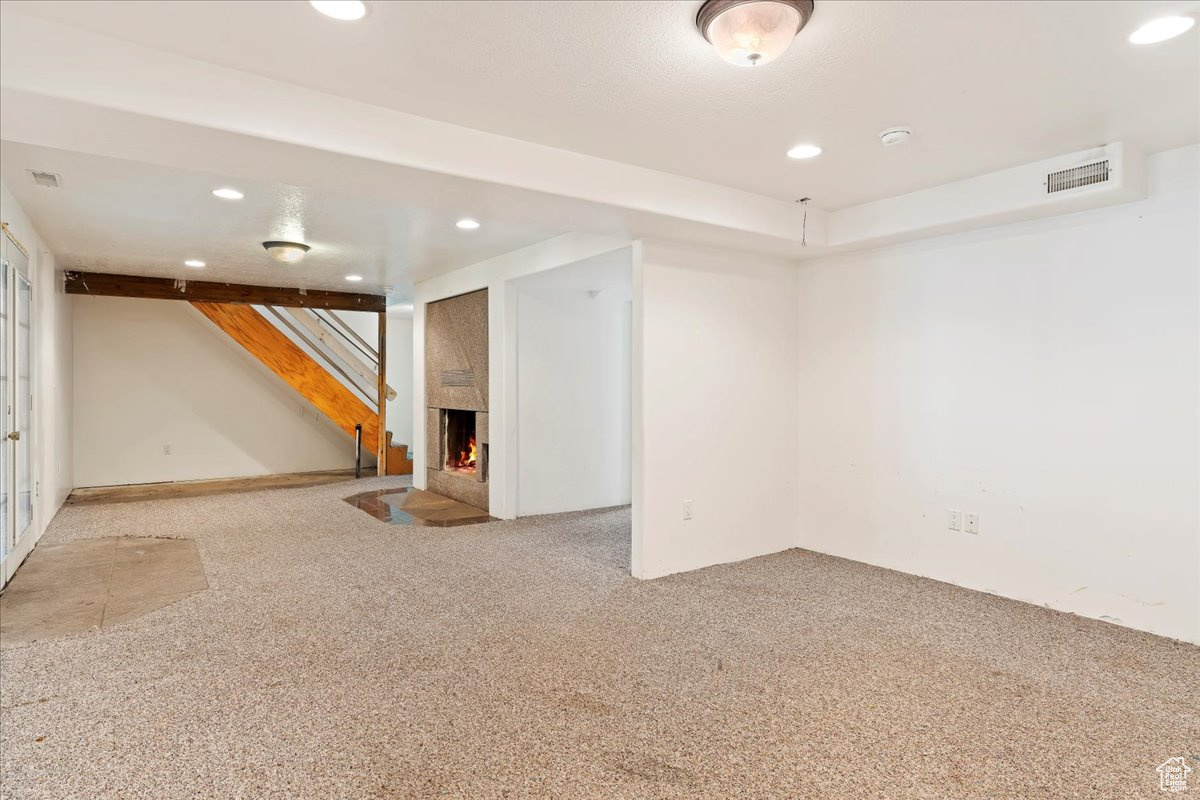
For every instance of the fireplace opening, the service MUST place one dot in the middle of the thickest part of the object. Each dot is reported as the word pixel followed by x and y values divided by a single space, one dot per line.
pixel 460 447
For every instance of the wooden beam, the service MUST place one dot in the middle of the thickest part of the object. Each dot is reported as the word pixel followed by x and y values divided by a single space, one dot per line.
pixel 382 427
pixel 269 345
pixel 102 283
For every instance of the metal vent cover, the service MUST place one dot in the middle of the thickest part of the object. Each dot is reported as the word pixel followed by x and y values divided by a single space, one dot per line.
pixel 49 180
pixel 1075 177
pixel 458 377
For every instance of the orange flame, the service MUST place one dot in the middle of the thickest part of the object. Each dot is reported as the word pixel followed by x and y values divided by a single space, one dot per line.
pixel 466 460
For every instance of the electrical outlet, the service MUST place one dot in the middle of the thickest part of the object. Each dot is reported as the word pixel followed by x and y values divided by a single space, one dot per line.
pixel 166 449
pixel 687 509
pixel 972 525
pixel 955 520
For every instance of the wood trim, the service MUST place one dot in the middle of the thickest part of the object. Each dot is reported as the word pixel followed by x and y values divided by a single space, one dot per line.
pixel 297 368
pixel 382 374
pixel 110 285
pixel 199 488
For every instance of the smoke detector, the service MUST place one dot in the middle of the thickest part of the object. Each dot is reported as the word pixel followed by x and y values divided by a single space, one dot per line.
pixel 49 180
pixel 894 136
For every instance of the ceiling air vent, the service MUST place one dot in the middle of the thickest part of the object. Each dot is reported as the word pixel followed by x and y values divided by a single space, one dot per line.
pixel 47 179
pixel 1075 177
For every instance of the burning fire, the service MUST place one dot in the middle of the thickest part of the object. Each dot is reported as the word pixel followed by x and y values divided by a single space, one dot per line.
pixel 466 460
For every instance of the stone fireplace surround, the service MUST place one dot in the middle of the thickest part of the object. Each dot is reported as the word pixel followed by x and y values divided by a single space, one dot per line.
pixel 456 380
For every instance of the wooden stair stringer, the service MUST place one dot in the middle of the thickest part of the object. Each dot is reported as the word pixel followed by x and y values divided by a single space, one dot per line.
pixel 259 337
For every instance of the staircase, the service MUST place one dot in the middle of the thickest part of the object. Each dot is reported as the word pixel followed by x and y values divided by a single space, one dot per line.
pixel 323 359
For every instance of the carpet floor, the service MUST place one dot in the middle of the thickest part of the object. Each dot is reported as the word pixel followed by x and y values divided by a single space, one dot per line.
pixel 335 656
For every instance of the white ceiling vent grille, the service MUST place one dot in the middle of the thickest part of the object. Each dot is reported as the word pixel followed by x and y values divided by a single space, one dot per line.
pixel 47 179
pixel 1075 177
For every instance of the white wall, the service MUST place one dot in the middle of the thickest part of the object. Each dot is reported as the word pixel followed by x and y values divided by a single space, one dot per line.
pixel 573 386
pixel 150 373
pixel 52 342
pixel 714 408
pixel 400 377
pixel 1042 375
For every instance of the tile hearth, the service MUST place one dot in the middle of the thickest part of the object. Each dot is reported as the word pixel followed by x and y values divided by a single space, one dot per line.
pixel 404 506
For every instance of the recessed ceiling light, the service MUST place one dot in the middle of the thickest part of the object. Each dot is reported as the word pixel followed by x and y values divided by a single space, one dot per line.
pixel 804 151
pixel 1161 29
pixel 287 252
pixel 345 10
pixel 467 224
pixel 192 262
pixel 228 194
pixel 895 136
pixel 354 278
pixel 752 32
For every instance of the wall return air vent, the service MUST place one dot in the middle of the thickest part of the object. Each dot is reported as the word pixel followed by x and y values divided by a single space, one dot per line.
pixel 1075 177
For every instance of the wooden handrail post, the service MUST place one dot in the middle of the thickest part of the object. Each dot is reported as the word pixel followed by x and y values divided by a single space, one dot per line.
pixel 383 437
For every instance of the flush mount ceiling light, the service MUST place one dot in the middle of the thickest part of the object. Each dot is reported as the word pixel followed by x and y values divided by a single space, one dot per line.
pixel 752 32
pixel 287 252
pixel 804 151
pixel 345 10
pixel 194 263
pixel 467 224
pixel 228 194
pixel 354 278
pixel 1161 29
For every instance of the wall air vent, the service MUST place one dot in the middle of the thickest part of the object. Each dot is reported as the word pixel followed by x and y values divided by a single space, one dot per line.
pixel 458 377
pixel 1075 177
pixel 47 179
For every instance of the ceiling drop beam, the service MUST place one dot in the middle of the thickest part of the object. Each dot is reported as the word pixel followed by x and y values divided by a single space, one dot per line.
pixel 110 285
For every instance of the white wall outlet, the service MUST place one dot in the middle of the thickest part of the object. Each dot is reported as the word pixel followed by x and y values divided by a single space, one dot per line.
pixel 687 509
pixel 166 449
pixel 955 523
pixel 972 523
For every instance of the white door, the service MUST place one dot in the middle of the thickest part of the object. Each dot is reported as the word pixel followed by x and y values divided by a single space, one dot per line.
pixel 16 391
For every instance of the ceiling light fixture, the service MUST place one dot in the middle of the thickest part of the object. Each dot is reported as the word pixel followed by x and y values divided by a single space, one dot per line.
pixel 287 252
pixel 354 278
pixel 195 263
pixel 345 10
pixel 228 194
pixel 752 32
pixel 804 151
pixel 1161 29
pixel 895 136
pixel 467 224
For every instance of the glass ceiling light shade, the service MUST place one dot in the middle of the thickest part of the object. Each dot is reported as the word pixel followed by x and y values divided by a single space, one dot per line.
pixel 287 252
pixel 749 33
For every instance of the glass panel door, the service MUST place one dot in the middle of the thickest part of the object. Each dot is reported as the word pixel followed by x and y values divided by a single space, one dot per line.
pixel 16 404
pixel 4 406
pixel 23 407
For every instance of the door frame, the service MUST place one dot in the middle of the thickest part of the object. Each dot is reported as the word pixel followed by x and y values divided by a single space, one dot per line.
pixel 20 545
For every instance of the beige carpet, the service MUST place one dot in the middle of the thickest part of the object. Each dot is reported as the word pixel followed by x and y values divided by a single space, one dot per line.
pixel 335 656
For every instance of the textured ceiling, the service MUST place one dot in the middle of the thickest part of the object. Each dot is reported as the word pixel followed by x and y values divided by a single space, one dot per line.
pixel 113 215
pixel 984 85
